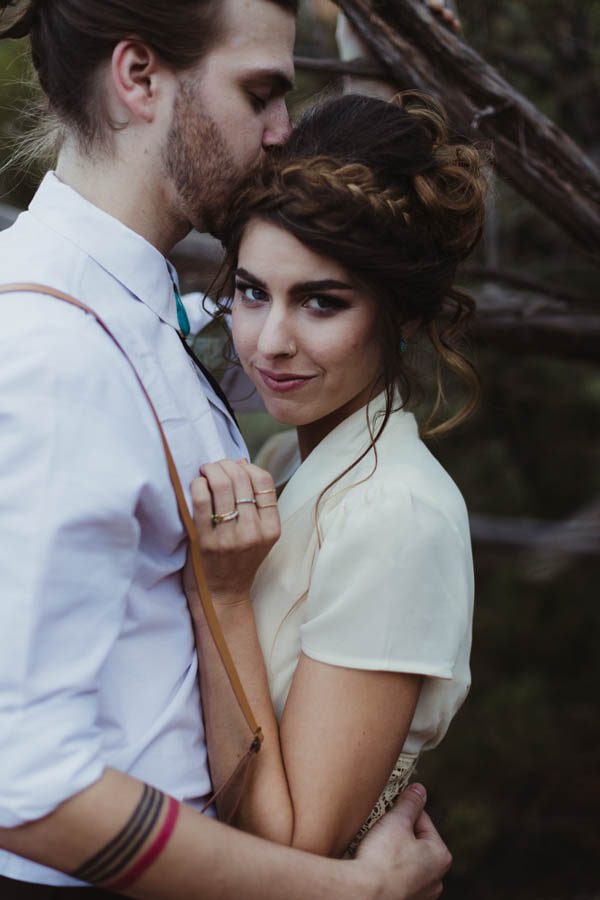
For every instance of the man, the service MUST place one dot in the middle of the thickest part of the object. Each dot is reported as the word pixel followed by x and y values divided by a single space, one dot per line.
pixel 160 109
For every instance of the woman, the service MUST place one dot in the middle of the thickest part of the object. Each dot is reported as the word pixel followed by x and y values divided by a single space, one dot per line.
pixel 343 255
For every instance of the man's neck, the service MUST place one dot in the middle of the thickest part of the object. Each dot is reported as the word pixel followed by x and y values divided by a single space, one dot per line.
pixel 132 194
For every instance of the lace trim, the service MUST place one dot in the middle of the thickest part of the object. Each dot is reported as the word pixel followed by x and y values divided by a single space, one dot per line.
pixel 398 780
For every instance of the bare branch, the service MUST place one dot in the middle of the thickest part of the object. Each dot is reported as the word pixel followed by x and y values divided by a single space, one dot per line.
pixel 522 283
pixel 363 67
pixel 540 160
pixel 579 535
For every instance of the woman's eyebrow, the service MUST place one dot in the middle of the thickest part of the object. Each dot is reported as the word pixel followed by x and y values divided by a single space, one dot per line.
pixel 243 273
pixel 325 284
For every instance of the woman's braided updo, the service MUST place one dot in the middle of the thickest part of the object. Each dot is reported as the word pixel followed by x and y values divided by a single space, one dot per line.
pixel 378 187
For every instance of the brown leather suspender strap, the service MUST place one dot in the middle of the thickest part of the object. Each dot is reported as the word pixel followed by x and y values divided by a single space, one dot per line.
pixel 186 518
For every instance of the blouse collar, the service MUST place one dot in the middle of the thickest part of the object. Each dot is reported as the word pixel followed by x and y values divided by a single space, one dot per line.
pixel 341 447
pixel 121 252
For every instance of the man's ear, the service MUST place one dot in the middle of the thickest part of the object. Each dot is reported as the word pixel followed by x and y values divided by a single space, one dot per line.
pixel 136 75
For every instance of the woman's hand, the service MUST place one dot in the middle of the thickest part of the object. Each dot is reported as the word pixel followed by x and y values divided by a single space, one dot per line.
pixel 235 511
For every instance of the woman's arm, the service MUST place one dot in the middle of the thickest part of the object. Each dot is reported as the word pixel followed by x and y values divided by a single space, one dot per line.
pixel 317 778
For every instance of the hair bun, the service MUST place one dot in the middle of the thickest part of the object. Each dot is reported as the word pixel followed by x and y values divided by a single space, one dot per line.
pixel 15 18
pixel 451 187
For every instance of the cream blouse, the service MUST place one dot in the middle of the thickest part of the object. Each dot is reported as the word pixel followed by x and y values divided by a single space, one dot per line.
pixel 387 585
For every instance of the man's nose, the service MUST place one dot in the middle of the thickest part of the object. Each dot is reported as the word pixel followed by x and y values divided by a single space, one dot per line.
pixel 278 127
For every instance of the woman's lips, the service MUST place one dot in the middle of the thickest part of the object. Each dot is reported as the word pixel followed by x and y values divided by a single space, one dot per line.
pixel 283 382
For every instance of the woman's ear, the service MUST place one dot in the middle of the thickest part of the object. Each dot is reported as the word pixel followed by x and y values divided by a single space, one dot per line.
pixel 136 74
pixel 410 327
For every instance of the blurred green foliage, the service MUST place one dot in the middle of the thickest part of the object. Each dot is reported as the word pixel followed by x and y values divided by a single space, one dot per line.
pixel 515 786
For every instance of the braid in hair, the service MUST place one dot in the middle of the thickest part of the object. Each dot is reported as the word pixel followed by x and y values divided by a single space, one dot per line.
pixel 380 188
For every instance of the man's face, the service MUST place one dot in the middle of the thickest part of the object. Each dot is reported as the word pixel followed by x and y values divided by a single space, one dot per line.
pixel 230 109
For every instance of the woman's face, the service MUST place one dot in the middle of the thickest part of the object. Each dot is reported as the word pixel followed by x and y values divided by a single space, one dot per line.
pixel 305 334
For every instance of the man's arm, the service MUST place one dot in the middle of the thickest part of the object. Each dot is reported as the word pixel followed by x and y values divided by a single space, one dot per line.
pixel 70 477
pixel 118 831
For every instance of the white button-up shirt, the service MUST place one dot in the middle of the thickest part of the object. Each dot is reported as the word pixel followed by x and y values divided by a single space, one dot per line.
pixel 97 658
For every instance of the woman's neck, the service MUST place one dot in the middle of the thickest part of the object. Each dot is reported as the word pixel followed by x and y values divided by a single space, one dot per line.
pixel 311 434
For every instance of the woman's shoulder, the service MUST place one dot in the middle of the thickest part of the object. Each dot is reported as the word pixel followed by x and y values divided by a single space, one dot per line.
pixel 403 478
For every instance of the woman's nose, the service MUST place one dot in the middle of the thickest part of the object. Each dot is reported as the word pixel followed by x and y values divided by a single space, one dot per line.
pixel 276 337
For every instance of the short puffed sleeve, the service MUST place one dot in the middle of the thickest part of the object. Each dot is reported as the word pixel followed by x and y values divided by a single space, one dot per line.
pixel 392 585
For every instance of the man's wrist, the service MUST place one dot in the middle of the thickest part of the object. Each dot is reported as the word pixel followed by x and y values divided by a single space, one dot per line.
pixel 360 880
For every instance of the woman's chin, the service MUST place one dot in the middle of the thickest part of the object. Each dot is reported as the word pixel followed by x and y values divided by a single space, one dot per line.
pixel 284 412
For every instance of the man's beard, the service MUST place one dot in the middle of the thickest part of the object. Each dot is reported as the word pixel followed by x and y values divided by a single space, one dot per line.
pixel 199 163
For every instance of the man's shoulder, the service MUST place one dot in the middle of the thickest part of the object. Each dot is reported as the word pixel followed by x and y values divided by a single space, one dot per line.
pixel 47 345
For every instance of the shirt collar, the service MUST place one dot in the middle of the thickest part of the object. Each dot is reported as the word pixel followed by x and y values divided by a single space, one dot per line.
pixel 121 252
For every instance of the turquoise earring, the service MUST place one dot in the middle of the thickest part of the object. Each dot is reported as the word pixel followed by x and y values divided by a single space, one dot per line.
pixel 402 346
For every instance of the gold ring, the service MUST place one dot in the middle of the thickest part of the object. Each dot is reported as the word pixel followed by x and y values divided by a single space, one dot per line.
pixel 265 505
pixel 268 491
pixel 224 517
pixel 245 500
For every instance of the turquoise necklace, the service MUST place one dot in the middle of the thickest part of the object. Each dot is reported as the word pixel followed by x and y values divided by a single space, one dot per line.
pixel 182 316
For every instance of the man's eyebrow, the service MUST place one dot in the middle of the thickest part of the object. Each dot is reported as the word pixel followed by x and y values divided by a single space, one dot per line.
pixel 281 83
pixel 254 279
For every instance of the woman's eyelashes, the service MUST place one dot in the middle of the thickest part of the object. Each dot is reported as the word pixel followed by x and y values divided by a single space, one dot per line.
pixel 324 303
pixel 249 293
pixel 321 304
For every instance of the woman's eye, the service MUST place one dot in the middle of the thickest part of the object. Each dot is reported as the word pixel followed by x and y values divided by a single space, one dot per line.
pixel 323 304
pixel 250 293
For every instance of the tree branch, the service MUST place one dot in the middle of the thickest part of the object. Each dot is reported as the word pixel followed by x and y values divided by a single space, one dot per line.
pixel 522 283
pixel 363 67
pixel 560 335
pixel 539 159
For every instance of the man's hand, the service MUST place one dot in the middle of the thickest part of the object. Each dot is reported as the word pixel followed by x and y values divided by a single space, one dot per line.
pixel 445 13
pixel 407 851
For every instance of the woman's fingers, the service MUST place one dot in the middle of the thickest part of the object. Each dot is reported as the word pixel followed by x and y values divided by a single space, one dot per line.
pixel 243 499
pixel 240 488
pixel 234 547
pixel 241 485
pixel 265 494
pixel 201 502
pixel 221 489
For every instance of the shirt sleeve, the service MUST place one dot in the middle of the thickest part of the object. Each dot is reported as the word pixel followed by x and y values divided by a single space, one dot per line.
pixel 391 588
pixel 69 483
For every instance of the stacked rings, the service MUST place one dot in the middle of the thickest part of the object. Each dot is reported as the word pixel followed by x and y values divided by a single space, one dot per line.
pixel 217 518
